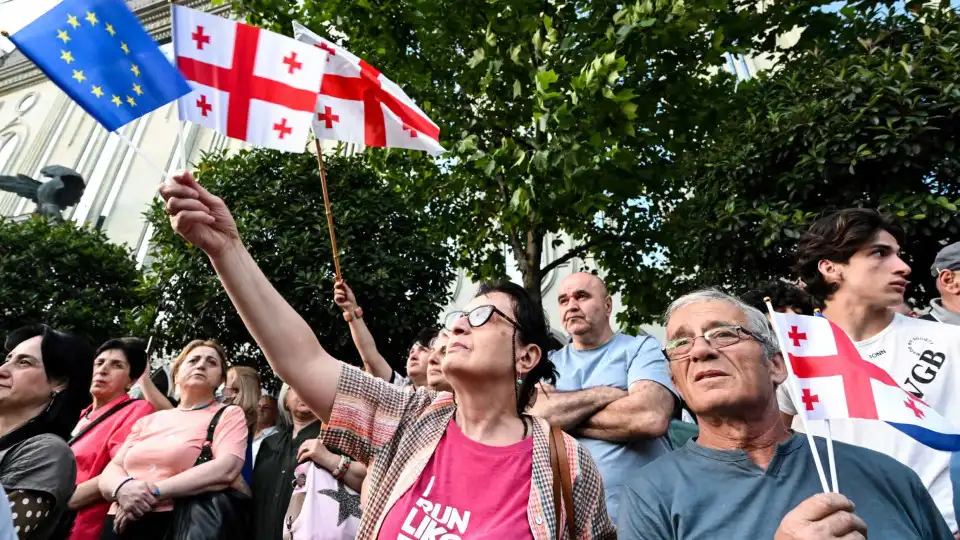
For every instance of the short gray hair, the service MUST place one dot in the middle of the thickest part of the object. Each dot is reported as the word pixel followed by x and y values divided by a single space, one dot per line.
pixel 285 416
pixel 757 324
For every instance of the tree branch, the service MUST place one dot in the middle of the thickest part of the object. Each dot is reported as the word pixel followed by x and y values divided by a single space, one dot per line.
pixel 572 253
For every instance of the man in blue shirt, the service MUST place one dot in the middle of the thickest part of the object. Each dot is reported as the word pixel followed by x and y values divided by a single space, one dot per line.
pixel 613 392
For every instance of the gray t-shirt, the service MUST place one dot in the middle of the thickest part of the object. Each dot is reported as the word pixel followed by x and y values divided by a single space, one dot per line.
pixel 45 464
pixel 700 493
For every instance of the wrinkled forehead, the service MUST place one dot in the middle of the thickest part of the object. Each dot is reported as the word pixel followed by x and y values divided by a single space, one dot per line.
pixel 696 318
pixel 29 347
pixel 499 300
pixel 581 282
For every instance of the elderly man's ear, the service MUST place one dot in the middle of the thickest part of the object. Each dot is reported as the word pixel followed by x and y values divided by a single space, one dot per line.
pixel 778 369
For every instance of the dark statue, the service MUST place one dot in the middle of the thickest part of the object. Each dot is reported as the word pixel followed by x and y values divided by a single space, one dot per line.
pixel 62 191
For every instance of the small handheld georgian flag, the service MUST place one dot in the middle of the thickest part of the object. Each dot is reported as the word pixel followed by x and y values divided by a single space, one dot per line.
pixel 358 104
pixel 836 382
pixel 249 84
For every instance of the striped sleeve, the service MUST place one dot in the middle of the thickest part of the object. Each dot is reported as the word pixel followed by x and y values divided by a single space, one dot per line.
pixel 367 413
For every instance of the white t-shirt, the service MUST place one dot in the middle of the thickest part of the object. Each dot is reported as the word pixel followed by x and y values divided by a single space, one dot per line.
pixel 922 357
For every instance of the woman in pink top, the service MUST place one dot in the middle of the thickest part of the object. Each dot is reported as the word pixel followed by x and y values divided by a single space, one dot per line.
pixel 155 465
pixel 103 427
pixel 474 467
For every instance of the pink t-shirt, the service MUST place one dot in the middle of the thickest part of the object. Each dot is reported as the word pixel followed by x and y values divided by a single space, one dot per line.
pixel 95 449
pixel 166 443
pixel 468 490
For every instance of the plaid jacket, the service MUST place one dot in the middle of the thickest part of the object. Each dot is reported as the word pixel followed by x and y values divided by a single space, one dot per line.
pixel 372 418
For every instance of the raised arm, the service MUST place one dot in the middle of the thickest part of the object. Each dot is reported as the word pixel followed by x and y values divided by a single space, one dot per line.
pixel 567 410
pixel 645 412
pixel 152 394
pixel 287 341
pixel 373 361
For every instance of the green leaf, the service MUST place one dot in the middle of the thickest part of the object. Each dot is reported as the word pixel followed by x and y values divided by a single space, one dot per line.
pixel 517 89
pixel 478 56
pixel 545 79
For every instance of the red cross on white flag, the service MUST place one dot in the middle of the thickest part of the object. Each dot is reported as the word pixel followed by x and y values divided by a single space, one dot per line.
pixel 835 382
pixel 358 104
pixel 249 84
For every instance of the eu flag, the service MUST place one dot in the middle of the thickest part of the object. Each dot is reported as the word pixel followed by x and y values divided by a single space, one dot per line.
pixel 98 53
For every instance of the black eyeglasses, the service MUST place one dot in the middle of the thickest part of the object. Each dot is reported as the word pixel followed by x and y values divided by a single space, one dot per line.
pixel 478 317
pixel 718 338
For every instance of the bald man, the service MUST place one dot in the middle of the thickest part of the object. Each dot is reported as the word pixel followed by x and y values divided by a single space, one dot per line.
pixel 613 392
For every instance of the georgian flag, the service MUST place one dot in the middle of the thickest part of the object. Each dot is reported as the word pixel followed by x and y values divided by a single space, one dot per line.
pixel 249 84
pixel 358 104
pixel 836 382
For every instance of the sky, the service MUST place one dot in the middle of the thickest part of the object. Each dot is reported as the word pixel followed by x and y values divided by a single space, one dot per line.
pixel 15 14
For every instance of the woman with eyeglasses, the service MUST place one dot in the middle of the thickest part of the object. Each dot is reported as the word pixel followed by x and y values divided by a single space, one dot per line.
pixel 434 455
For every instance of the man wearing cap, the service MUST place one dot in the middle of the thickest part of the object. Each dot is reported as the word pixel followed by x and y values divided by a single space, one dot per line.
pixel 946 268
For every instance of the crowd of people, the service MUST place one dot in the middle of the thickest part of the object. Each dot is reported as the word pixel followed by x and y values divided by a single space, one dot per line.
pixel 495 429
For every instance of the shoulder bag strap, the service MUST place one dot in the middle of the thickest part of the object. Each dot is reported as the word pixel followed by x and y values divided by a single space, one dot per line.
pixel 206 452
pixel 97 421
pixel 562 483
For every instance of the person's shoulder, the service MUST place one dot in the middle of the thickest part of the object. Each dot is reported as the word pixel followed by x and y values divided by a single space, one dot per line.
pixel 635 342
pixel 45 445
pixel 231 413
pixel 43 462
pixel 657 478
pixel 919 335
pixel 880 465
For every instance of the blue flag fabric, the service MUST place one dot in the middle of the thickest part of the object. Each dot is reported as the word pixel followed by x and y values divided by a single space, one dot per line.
pixel 98 53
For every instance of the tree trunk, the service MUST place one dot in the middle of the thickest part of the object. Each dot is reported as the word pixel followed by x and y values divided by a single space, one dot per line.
pixel 528 253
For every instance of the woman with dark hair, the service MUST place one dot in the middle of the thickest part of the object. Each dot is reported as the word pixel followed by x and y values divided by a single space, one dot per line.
pixel 432 452
pixel 43 387
pixel 104 426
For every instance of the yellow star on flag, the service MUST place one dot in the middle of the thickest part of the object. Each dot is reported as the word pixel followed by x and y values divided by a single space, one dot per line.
pixel 78 75
pixel 62 34
pixel 97 91
pixel 66 56
pixel 72 21
pixel 137 89
pixel 92 18
pixel 135 70
pixel 110 29
pixel 117 101
pixel 131 101
pixel 126 49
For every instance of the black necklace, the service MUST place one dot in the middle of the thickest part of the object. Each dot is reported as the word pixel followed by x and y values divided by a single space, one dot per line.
pixel 198 407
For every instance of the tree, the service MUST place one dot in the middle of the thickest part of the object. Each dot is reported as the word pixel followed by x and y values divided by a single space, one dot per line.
pixel 65 276
pixel 560 116
pixel 400 272
pixel 871 118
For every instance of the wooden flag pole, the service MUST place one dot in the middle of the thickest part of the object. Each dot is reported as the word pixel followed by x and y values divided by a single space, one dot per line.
pixel 326 202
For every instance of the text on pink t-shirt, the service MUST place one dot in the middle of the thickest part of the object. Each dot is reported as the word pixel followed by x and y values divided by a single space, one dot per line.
pixel 166 443
pixel 467 490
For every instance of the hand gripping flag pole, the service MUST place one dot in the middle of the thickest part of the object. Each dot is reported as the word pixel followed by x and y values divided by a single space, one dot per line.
pixel 795 391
